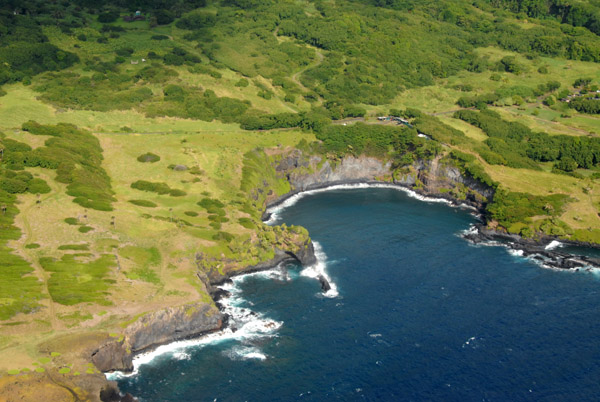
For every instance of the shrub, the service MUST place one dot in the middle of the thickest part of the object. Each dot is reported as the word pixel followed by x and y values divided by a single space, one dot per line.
pixel 191 213
pixel 143 203
pixel 38 186
pixel 177 193
pixel 74 247
pixel 13 186
pixel 148 158
pixel 32 245
pixel 227 237
pixel 72 221
pixel 247 223
pixel 85 229
pixel 143 185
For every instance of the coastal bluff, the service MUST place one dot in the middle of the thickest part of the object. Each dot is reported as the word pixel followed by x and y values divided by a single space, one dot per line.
pixel 437 177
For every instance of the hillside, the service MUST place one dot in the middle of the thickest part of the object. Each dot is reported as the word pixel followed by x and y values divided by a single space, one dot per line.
pixel 139 150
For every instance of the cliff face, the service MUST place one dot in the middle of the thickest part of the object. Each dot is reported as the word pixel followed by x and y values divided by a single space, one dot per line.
pixel 436 178
pixel 156 328
pixel 302 252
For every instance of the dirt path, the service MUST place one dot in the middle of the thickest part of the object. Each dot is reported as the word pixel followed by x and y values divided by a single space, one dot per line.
pixel 295 77
pixel 39 271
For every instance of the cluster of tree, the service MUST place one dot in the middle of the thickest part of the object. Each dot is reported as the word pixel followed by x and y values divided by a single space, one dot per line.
pixel 315 119
pixel 586 104
pixel 578 14
pixel 509 208
pixel 435 128
pixel 516 91
pixel 112 91
pixel 157 187
pixel 25 50
pixel 513 144
pixel 194 103
pixel 400 143
pixel 77 157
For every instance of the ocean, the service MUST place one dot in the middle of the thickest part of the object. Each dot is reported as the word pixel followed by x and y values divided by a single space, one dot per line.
pixel 415 313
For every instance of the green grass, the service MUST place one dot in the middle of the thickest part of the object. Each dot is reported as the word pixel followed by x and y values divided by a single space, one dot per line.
pixel 144 262
pixel 73 282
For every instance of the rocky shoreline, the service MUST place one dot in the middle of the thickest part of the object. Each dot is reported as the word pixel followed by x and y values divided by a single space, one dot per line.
pixel 537 250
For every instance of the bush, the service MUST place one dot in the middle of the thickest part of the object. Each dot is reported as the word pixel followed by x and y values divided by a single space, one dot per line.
pixel 143 203
pixel 148 158
pixel 247 223
pixel 177 193
pixel 74 247
pixel 85 229
pixel 13 186
pixel 227 237
pixel 107 17
pixel 38 186
pixel 191 213
pixel 124 51
pixel 143 185
pixel 210 202
pixel 72 221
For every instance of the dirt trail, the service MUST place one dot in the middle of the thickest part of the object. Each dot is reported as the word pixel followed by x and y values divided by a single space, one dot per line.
pixel 39 271
pixel 295 77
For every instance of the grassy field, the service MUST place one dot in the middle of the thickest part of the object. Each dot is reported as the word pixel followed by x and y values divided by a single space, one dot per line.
pixel 137 258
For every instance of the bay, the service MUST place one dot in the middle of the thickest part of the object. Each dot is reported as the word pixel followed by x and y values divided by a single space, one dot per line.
pixel 420 314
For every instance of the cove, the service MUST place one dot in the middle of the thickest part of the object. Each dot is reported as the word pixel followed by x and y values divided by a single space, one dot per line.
pixel 421 314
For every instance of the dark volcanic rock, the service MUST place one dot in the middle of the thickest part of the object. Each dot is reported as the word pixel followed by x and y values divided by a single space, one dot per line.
pixel 113 356
pixel 325 286
pixel 171 324
pixel 535 249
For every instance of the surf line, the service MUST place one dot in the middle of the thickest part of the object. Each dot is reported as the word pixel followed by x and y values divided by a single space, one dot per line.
pixel 272 212
pixel 244 326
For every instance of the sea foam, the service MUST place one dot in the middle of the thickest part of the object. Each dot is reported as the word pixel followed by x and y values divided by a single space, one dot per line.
pixel 320 269
pixel 244 325
pixel 275 210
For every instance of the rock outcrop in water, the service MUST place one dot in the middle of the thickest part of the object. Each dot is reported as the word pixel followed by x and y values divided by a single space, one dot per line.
pixel 534 249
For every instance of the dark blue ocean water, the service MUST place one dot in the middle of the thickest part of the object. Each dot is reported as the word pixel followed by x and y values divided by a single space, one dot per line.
pixel 421 315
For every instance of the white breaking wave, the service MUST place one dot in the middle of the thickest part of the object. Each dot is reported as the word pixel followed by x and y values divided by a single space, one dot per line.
pixel 274 211
pixel 244 325
pixel 245 353
pixel 320 269
pixel 553 244
pixel 516 253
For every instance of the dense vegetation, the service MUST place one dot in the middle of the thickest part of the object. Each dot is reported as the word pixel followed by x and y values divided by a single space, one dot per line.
pixel 514 144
